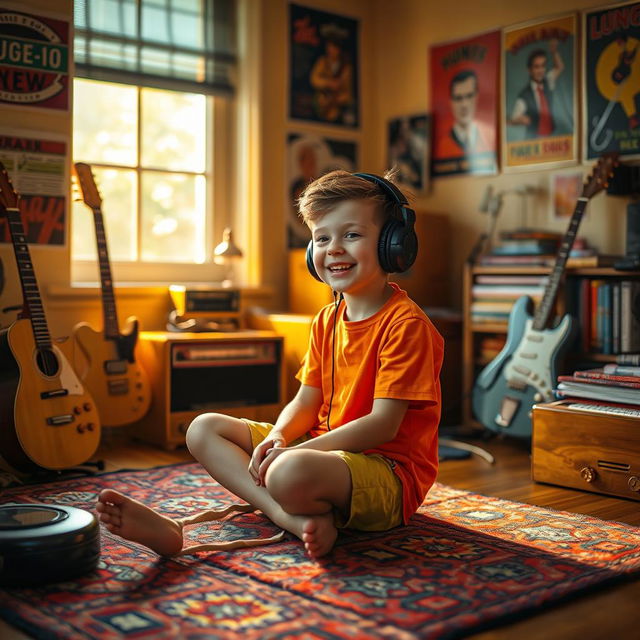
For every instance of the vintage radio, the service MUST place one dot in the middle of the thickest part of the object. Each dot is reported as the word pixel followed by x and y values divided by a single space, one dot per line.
pixel 239 373
pixel 586 450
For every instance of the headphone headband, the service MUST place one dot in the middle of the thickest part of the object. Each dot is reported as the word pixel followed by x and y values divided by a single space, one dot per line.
pixel 388 187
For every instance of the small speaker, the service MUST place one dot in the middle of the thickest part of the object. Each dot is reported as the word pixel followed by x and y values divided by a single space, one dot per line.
pixel 633 229
pixel 632 251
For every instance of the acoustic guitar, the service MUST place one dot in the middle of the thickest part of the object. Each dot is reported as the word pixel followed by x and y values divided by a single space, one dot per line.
pixel 118 383
pixel 47 418
pixel 525 370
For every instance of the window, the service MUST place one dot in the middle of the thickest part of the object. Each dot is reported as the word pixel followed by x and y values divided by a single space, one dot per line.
pixel 149 75
pixel 148 151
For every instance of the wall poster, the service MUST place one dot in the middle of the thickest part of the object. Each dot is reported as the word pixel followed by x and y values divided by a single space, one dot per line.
pixel 464 101
pixel 540 94
pixel 34 60
pixel 612 80
pixel 323 67
pixel 310 156
pixel 408 150
pixel 37 168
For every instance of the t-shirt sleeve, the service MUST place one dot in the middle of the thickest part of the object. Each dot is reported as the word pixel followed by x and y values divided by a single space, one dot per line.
pixel 410 362
pixel 310 372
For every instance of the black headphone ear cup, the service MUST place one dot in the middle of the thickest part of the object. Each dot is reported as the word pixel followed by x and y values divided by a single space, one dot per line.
pixel 384 245
pixel 310 266
pixel 397 247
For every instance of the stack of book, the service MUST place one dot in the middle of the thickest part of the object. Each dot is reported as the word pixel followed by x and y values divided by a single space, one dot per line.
pixel 613 388
pixel 608 313
pixel 492 296
pixel 524 247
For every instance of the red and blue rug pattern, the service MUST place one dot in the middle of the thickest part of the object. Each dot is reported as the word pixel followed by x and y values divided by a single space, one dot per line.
pixel 465 562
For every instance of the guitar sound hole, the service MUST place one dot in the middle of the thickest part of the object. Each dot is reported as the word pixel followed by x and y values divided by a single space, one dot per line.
pixel 47 362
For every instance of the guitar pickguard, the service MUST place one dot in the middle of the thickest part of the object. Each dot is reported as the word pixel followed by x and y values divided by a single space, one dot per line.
pixel 531 363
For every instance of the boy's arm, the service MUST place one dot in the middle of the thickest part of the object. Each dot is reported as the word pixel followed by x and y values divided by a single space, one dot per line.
pixel 367 432
pixel 298 416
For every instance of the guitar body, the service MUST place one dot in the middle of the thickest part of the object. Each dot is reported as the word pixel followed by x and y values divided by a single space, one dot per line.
pixel 522 374
pixel 118 384
pixel 47 421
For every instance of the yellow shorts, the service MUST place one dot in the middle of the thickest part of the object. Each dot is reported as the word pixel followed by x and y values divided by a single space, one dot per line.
pixel 376 493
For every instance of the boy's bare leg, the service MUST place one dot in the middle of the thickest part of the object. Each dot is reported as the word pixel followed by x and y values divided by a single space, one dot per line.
pixel 303 488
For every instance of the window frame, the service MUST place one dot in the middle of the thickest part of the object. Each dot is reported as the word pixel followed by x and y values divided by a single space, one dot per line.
pixel 219 131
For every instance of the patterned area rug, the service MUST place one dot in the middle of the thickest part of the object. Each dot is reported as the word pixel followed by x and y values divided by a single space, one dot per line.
pixel 464 563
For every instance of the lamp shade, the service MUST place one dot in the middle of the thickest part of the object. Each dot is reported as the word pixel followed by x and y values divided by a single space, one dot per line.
pixel 227 249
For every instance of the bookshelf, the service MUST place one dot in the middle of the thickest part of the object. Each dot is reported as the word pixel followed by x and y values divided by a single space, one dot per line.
pixel 483 336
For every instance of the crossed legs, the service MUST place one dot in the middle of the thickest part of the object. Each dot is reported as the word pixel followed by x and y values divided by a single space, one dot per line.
pixel 303 487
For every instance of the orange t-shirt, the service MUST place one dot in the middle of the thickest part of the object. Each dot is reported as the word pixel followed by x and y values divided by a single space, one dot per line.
pixel 396 353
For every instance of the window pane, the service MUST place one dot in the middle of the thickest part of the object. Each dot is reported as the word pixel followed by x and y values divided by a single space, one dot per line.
pixel 173 130
pixel 118 190
pixel 104 122
pixel 173 217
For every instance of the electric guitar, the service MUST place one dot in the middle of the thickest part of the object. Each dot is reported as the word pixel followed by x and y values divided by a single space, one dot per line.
pixel 47 418
pixel 525 371
pixel 118 383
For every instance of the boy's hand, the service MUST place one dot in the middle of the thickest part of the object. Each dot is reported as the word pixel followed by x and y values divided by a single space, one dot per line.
pixel 261 452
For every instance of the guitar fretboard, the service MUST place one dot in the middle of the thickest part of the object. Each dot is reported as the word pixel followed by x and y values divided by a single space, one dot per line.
pixel 543 312
pixel 32 301
pixel 111 330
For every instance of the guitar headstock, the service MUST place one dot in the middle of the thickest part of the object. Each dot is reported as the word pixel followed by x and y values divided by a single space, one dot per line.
pixel 87 185
pixel 598 179
pixel 9 198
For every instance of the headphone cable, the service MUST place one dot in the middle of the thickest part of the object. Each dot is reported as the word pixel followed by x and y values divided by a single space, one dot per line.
pixel 333 355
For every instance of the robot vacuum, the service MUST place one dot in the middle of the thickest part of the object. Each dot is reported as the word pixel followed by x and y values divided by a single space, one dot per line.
pixel 42 543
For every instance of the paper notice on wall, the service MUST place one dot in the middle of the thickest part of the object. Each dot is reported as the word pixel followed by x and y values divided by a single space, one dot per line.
pixel 37 167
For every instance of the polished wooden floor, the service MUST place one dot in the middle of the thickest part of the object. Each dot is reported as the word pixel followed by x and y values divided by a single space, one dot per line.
pixel 608 613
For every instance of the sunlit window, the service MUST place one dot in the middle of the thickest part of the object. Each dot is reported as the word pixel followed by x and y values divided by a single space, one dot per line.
pixel 148 150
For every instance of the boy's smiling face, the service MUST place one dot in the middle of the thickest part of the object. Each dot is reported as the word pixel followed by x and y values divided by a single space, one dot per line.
pixel 345 247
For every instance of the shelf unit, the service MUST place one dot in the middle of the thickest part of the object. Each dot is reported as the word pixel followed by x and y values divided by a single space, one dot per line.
pixel 473 333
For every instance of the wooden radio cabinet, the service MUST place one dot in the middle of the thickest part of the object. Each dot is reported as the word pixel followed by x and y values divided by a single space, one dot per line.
pixel 238 373
pixel 586 450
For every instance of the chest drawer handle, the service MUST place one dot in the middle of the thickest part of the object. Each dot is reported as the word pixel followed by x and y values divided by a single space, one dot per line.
pixel 588 474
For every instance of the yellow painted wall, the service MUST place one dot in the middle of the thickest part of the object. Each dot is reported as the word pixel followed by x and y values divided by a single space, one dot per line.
pixel 394 41
pixel 51 264
pixel 404 31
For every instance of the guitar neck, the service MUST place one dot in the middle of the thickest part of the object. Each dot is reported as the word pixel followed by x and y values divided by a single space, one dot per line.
pixel 32 302
pixel 110 314
pixel 543 312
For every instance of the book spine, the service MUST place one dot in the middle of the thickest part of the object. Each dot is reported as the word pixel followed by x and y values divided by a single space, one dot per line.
pixel 615 317
pixel 625 316
pixel 606 319
pixel 630 359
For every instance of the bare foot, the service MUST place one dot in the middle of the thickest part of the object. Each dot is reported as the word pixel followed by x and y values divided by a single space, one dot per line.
pixel 134 521
pixel 319 534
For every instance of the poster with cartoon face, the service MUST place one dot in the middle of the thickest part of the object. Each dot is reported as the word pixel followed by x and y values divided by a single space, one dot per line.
pixel 310 156
pixel 464 104
pixel 539 76
pixel 612 80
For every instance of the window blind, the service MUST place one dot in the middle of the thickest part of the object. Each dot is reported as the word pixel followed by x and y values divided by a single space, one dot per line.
pixel 184 45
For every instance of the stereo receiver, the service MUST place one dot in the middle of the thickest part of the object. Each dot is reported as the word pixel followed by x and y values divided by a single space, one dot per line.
pixel 239 373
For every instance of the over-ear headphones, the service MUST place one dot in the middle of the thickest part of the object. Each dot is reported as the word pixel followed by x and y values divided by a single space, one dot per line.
pixel 398 243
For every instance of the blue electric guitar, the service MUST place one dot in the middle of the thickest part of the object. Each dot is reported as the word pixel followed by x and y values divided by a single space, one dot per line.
pixel 525 371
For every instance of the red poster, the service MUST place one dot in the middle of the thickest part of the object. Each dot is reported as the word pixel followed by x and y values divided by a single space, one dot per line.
pixel 464 103
pixel 34 60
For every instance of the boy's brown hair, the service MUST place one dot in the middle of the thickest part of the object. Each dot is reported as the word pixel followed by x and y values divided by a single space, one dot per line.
pixel 327 192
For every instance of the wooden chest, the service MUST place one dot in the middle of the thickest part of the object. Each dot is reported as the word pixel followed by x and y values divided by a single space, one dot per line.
pixel 586 450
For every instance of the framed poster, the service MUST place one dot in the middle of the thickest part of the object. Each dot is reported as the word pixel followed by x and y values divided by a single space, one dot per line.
pixel 540 94
pixel 464 101
pixel 37 167
pixel 612 80
pixel 310 156
pixel 34 60
pixel 323 67
pixel 408 150
pixel 565 188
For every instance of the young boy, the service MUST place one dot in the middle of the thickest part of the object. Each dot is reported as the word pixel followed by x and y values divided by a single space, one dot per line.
pixel 357 446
